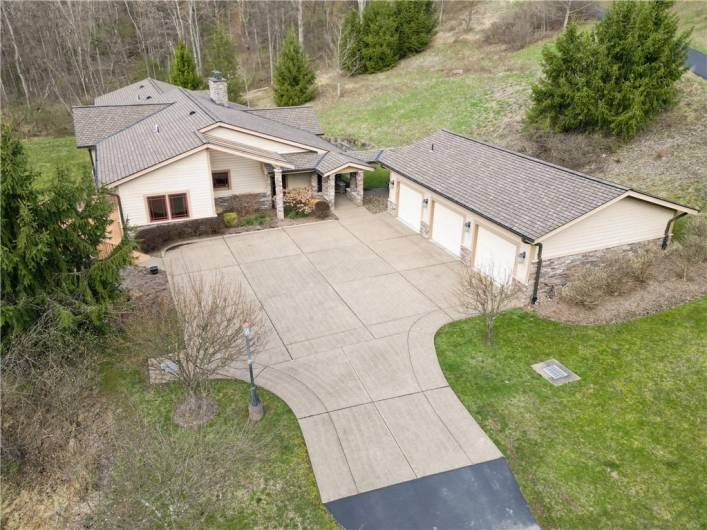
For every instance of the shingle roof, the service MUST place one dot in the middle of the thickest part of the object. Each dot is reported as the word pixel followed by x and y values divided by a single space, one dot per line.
pixel 127 143
pixel 332 161
pixel 527 196
pixel 303 161
pixel 93 124
pixel 263 153
pixel 367 155
pixel 302 117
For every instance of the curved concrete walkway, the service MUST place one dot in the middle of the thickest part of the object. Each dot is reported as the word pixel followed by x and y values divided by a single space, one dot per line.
pixel 352 308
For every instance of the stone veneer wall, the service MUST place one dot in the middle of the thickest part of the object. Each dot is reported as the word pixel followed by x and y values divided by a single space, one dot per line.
pixel 263 201
pixel 555 271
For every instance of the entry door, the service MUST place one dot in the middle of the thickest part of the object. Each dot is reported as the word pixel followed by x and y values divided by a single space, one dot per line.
pixel 410 207
pixel 447 228
pixel 494 255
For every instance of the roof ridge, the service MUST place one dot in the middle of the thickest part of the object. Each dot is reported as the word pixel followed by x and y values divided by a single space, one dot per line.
pixel 118 105
pixel 194 100
pixel 154 85
pixel 251 109
pixel 135 123
pixel 540 161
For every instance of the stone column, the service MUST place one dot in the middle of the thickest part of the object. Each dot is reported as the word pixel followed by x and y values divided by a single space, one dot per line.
pixel 313 183
pixel 279 204
pixel 330 190
pixel 359 183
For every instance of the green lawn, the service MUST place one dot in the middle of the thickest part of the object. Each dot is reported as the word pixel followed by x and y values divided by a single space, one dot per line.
pixel 281 490
pixel 45 154
pixel 622 448
pixel 378 178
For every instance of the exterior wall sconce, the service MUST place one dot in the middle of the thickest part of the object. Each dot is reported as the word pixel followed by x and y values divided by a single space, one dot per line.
pixel 467 226
pixel 425 202
pixel 392 184
pixel 520 258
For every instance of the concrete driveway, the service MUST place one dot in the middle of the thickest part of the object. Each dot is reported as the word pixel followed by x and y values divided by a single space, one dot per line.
pixel 352 308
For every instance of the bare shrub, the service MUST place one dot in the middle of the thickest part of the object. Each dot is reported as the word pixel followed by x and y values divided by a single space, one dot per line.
pixel 52 410
pixel 200 332
pixel 298 200
pixel 691 249
pixel 161 478
pixel 586 286
pixel 642 265
pixel 618 271
pixel 156 237
pixel 321 209
pixel 528 22
pixel 480 293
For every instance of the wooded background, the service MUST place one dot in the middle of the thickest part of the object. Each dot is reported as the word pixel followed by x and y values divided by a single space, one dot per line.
pixel 58 54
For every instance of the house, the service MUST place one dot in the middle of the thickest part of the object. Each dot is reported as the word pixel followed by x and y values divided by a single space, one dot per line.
pixel 513 215
pixel 173 155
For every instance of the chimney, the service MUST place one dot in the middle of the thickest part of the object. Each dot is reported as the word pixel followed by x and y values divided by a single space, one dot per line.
pixel 218 88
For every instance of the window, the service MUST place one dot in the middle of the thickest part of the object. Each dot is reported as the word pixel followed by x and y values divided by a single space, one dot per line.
pixel 178 206
pixel 164 207
pixel 221 180
pixel 157 207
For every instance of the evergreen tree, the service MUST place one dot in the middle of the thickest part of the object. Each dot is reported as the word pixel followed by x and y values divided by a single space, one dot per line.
pixel 221 56
pixel 295 81
pixel 615 79
pixel 350 47
pixel 417 21
pixel 183 72
pixel 379 40
pixel 48 252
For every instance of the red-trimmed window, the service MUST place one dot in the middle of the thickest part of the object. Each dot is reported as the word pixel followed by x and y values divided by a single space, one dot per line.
pixel 221 180
pixel 178 206
pixel 157 207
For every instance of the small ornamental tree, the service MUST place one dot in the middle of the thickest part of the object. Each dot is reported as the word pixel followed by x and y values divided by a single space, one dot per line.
pixel 349 44
pixel 379 40
pixel 417 20
pixel 221 56
pixel 295 81
pixel 616 78
pixel 49 248
pixel 183 72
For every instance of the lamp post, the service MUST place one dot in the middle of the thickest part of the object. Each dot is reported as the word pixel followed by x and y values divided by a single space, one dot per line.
pixel 255 406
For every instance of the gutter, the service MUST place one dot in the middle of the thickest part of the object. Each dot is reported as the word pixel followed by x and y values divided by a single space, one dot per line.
pixel 668 227
pixel 538 269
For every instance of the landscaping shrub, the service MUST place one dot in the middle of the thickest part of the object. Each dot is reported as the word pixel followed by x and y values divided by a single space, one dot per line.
pixel 299 201
pixel 642 265
pixel 230 219
pixel 585 288
pixel 321 209
pixel 691 249
pixel 157 237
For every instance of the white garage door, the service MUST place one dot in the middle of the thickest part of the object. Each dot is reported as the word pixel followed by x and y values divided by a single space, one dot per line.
pixel 495 255
pixel 410 207
pixel 447 227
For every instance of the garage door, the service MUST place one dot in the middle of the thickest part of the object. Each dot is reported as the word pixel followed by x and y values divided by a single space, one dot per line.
pixel 410 207
pixel 447 227
pixel 494 255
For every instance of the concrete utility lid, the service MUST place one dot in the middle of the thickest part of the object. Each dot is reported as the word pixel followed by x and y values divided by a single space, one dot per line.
pixel 555 372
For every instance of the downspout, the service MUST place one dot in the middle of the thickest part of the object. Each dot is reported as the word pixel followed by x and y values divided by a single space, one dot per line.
pixel 538 269
pixel 666 238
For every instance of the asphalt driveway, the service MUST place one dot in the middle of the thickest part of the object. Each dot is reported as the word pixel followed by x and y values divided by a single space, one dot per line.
pixel 352 308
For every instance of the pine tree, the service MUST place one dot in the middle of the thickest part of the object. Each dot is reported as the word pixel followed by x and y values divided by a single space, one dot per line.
pixel 350 47
pixel 221 56
pixel 48 253
pixel 295 81
pixel 615 79
pixel 379 40
pixel 417 21
pixel 183 72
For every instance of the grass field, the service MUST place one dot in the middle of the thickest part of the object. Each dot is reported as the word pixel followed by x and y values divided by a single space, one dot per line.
pixel 279 488
pixel 624 447
pixel 46 154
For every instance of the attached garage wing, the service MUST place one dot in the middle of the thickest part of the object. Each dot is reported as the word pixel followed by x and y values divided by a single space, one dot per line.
pixel 410 207
pixel 494 255
pixel 447 228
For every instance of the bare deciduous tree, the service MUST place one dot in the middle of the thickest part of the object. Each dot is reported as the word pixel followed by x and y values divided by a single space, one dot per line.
pixel 480 292
pixel 198 335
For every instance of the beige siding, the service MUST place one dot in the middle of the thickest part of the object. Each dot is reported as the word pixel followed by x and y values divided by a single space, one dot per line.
pixel 247 176
pixel 190 174
pixel 255 141
pixel 299 180
pixel 626 221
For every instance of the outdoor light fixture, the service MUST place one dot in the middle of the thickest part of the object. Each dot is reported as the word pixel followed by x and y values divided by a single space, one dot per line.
pixel 467 226
pixel 255 406
pixel 391 184
pixel 520 258
pixel 425 201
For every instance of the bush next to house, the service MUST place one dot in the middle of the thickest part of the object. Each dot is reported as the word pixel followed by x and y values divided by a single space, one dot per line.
pixel 298 202
pixel 615 78
pixel 49 255
pixel 230 219
pixel 157 237
pixel 295 81
pixel 183 72
pixel 321 209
